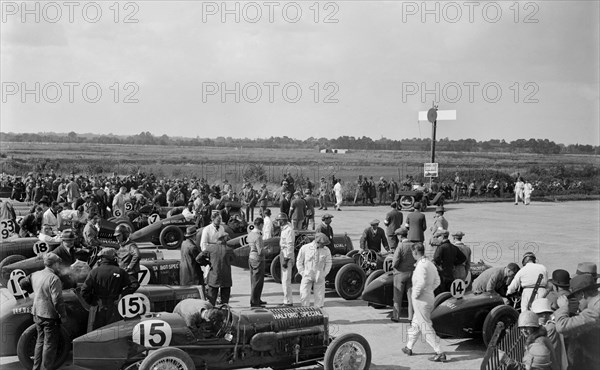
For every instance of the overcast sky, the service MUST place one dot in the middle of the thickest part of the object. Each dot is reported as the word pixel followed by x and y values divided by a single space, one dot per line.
pixel 510 69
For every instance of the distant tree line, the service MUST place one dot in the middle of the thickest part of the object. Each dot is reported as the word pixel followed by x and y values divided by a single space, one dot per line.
pixel 539 146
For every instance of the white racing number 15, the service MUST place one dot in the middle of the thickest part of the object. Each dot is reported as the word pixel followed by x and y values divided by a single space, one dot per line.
pixel 152 333
pixel 133 305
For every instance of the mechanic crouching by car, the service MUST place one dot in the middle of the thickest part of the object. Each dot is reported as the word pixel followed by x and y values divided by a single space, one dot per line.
pixel 128 254
pixel 103 287
pixel 495 279
pixel 314 263
pixel 48 310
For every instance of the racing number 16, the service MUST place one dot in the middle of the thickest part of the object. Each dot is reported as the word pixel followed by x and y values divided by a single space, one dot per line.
pixel 152 333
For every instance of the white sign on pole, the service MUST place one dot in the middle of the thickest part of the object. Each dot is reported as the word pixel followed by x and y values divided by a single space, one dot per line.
pixel 442 115
pixel 430 169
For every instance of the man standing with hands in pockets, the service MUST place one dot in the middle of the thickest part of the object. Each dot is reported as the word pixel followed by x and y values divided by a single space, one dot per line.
pixel 314 263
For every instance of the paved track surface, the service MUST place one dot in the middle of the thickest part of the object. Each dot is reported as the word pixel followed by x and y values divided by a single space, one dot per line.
pixel 561 234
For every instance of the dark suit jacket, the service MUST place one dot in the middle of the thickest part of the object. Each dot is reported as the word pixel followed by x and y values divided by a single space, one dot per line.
pixel 416 226
pixel 68 258
pixel 394 221
pixel 373 240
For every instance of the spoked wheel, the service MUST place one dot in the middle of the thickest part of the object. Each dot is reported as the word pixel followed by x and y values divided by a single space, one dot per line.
pixel 366 260
pixel 350 281
pixel 348 352
pixel 301 240
pixel 168 358
pixel 26 347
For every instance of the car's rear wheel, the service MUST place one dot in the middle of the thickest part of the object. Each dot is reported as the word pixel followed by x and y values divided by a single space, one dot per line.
pixel 350 281
pixel 171 237
pixel 168 358
pixel 503 313
pixel 441 298
pixel 26 347
pixel 349 351
pixel 276 269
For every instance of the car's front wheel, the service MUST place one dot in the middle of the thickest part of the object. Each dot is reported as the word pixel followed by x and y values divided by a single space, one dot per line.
pixel 348 352
pixel 503 313
pixel 171 237
pixel 168 358
pixel 26 347
pixel 350 281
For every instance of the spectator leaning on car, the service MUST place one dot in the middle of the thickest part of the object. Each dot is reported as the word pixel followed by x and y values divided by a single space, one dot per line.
pixel 102 289
pixel 48 310
pixel 314 263
pixel 495 279
pixel 373 238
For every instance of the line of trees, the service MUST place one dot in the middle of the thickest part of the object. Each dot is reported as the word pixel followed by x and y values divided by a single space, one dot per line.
pixel 540 146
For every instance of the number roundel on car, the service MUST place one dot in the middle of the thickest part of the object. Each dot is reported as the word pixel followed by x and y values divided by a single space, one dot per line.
pixel 13 284
pixel 457 289
pixel 152 333
pixel 39 248
pixel 153 218
pixel 117 213
pixel 133 305
pixel 128 206
pixel 7 228
pixel 144 275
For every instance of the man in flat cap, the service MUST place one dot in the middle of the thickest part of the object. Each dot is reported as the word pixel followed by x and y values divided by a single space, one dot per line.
pixel 404 265
pixel 325 226
pixel 446 257
pixel 314 263
pixel 103 287
pixel 462 271
pixel 583 329
pixel 48 310
pixel 393 221
pixel 373 238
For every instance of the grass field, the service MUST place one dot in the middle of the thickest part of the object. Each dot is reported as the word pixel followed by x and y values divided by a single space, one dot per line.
pixel 231 163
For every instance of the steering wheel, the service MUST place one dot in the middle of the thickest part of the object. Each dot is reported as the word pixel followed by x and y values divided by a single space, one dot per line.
pixel 366 259
pixel 227 323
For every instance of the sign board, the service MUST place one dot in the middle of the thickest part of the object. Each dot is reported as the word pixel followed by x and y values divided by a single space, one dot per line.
pixel 430 169
pixel 442 115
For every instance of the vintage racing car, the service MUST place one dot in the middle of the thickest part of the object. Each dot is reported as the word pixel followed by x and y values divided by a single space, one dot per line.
pixel 346 277
pixel 169 232
pixel 157 269
pixel 473 315
pixel 19 333
pixel 407 199
pixel 280 338
pixel 379 288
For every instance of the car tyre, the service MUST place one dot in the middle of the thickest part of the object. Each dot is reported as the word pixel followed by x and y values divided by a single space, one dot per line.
pixel 508 315
pixel 352 253
pixel 276 269
pixel 348 351
pixel 171 237
pixel 174 357
pixel 350 281
pixel 26 347
pixel 11 259
pixel 441 298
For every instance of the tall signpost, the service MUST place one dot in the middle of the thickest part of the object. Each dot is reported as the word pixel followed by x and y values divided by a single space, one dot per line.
pixel 433 115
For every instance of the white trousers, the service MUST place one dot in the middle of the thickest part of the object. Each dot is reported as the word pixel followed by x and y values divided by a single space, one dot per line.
pixel 318 288
pixel 286 281
pixel 421 324
pixel 526 295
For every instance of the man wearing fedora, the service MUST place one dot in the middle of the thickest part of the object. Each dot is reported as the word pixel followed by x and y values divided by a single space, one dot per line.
pixel 558 286
pixel 325 226
pixel 583 328
pixel 66 251
pixel 190 272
